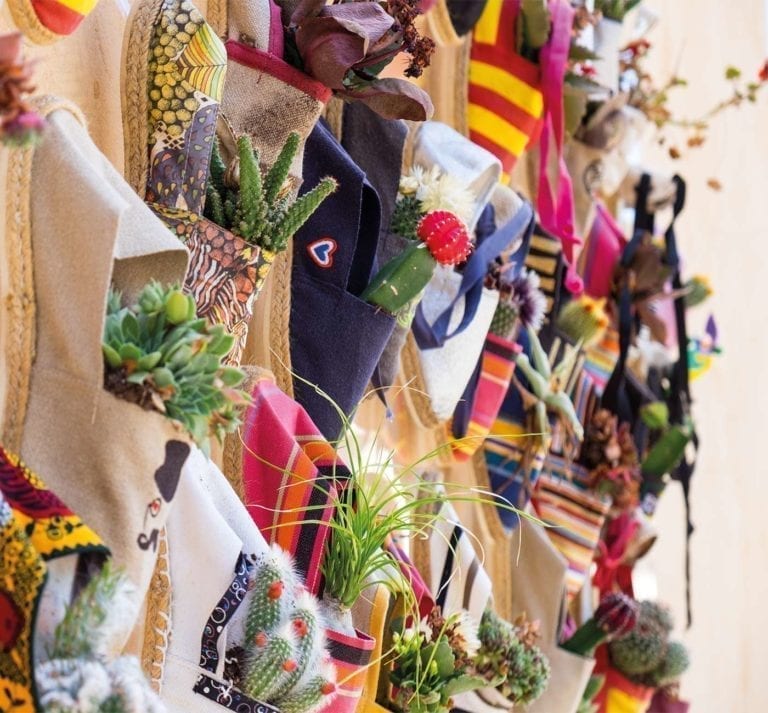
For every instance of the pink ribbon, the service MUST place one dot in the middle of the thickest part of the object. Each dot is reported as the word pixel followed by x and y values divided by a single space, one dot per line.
pixel 556 207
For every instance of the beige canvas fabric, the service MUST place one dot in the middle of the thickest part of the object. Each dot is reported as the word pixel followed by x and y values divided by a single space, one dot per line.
pixel 108 459
pixel 537 587
pixel 208 529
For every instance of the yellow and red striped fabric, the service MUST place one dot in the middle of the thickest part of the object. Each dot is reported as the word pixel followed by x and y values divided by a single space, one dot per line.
pixel 44 21
pixel 506 104
pixel 574 515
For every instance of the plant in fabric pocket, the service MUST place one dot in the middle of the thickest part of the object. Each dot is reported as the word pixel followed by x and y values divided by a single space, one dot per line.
pixel 645 655
pixel 257 207
pixel 160 356
pixel 615 617
pixel 521 302
pixel 283 660
pixel 83 671
pixel 432 210
pixel 345 46
pixel 20 124
pixel 509 651
pixel 434 662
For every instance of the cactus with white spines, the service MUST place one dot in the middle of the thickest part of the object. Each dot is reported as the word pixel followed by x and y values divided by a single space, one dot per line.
pixel 285 662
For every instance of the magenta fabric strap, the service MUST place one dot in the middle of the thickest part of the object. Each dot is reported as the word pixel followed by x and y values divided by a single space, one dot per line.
pixel 556 210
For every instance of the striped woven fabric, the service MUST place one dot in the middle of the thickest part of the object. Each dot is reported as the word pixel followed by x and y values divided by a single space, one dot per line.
pixel 601 360
pixel 496 369
pixel 505 100
pixel 575 516
pixel 545 258
pixel 351 656
pixel 505 449
pixel 289 471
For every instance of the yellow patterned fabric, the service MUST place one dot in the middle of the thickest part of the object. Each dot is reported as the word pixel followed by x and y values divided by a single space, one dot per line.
pixel 35 526
pixel 22 575
pixel 53 529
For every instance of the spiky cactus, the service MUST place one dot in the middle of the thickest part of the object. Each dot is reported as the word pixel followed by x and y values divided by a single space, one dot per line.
pixel 583 319
pixel 643 650
pixel 674 665
pixel 313 695
pixel 256 206
pixel 285 647
pixel 616 616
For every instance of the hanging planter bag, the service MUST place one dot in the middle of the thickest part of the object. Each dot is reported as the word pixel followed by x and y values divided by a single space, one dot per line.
pixel 115 464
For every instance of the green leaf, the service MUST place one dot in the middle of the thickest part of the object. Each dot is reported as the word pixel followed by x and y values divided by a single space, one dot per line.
pixel 232 376
pixel 732 72
pixel 668 452
pixel 112 357
pixel 579 53
pixel 130 352
pixel 137 377
pixel 462 684
pixel 150 361
pixel 655 415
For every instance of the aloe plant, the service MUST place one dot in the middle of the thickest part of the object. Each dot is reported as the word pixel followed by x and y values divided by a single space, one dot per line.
pixel 257 206
pixel 161 356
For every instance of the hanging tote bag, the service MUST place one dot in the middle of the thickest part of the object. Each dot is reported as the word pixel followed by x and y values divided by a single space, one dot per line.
pixel 506 102
pixel 574 515
pixel 114 463
pixel 601 253
pixel 451 324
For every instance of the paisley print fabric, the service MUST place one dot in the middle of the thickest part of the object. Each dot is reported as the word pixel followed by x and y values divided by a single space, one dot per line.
pixel 187 66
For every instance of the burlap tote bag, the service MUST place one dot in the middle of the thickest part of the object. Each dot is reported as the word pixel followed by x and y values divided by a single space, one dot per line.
pixel 112 462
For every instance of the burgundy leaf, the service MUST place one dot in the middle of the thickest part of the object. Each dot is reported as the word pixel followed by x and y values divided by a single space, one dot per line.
pixel 328 51
pixel 306 9
pixel 367 19
pixel 393 99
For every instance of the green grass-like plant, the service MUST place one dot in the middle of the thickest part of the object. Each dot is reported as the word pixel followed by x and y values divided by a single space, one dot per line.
pixel 257 206
pixel 161 356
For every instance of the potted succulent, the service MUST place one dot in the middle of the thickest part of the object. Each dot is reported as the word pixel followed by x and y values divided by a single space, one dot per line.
pixel 433 663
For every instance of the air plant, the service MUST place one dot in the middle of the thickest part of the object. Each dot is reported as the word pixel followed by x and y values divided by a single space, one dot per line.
pixel 82 673
pixel 160 356
pixel 346 45
pixel 434 662
pixel 256 206
pixel 548 387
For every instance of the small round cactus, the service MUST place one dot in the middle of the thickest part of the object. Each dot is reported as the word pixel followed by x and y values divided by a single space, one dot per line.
pixel 674 665
pixel 644 648
pixel 446 237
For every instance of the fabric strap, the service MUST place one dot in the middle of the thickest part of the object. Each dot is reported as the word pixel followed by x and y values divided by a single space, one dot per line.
pixel 556 206
pixel 433 336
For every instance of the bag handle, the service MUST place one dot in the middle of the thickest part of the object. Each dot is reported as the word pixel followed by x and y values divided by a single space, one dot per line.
pixel 556 208
pixel 432 336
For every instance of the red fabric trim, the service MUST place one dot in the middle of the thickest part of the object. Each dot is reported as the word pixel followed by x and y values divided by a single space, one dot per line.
pixel 277 68
pixel 500 57
pixel 361 641
pixel 56 17
pixel 276 37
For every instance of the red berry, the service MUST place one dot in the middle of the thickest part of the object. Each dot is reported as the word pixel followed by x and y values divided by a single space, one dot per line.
pixel 327 688
pixel 275 590
pixel 446 237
